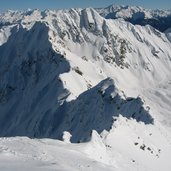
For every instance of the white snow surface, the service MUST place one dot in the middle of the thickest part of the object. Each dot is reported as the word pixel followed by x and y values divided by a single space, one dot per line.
pixel 101 85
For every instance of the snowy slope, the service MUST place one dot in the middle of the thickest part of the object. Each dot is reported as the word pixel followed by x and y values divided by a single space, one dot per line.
pixel 106 82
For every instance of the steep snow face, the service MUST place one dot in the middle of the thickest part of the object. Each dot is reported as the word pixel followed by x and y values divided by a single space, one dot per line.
pixel 81 76
pixel 111 48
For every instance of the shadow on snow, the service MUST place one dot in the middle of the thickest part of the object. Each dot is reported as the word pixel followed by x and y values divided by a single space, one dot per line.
pixel 32 97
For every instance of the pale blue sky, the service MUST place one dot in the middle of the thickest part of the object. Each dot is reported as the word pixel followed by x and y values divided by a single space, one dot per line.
pixel 58 4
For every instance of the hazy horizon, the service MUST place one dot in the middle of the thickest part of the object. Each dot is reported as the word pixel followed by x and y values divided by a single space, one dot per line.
pixel 64 4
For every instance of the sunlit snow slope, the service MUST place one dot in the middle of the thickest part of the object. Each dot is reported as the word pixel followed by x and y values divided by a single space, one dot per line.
pixel 97 77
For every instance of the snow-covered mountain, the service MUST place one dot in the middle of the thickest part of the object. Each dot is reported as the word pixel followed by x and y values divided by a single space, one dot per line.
pixel 159 19
pixel 98 76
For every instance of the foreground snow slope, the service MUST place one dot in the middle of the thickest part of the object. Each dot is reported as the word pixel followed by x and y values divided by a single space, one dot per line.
pixel 127 146
pixel 79 70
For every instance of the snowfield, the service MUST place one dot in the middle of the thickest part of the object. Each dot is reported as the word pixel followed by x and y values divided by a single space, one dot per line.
pixel 128 146
pixel 85 89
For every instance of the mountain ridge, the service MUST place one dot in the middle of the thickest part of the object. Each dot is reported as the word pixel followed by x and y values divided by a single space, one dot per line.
pixel 134 14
